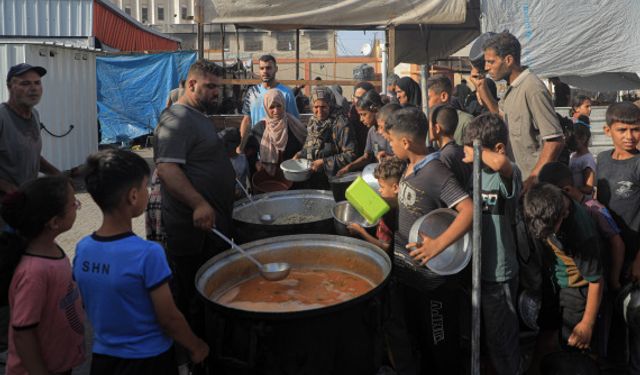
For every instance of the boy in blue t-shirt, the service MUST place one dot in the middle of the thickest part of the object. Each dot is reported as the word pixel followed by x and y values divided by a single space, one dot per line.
pixel 123 279
pixel 501 187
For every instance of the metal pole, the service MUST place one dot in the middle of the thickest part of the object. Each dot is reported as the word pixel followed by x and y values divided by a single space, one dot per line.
pixel 297 54
pixel 385 68
pixel 424 74
pixel 200 28
pixel 477 258
pixel 222 38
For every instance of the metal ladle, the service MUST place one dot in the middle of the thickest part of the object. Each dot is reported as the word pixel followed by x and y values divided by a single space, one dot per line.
pixel 265 218
pixel 270 271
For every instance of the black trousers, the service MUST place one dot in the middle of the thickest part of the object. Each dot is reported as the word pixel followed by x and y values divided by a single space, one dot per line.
pixel 163 364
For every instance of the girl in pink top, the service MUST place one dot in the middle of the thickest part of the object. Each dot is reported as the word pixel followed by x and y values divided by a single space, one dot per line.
pixel 46 328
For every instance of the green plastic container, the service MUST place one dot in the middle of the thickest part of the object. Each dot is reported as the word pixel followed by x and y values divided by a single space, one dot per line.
pixel 366 201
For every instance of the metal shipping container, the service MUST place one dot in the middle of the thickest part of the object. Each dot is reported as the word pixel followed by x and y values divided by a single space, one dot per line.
pixel 46 18
pixel 68 109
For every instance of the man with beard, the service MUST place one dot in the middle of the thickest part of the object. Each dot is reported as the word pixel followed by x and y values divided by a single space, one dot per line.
pixel 535 135
pixel 197 181
pixel 253 106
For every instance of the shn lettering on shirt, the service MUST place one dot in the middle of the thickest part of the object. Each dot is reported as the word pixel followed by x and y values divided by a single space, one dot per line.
pixel 95 267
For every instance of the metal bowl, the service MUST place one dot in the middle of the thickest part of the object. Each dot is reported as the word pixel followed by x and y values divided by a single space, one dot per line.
pixel 455 257
pixel 294 211
pixel 368 177
pixel 345 214
pixel 296 170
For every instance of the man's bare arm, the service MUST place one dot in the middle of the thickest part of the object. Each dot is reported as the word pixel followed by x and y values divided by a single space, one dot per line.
pixel 179 186
pixel 245 131
pixel 47 168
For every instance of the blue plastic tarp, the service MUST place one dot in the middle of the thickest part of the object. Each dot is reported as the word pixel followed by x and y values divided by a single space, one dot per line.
pixel 133 91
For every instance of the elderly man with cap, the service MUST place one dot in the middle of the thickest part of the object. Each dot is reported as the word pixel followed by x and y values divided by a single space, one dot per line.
pixel 20 143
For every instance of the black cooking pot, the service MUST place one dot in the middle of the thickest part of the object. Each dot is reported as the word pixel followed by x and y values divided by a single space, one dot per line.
pixel 345 338
pixel 294 211
pixel 340 184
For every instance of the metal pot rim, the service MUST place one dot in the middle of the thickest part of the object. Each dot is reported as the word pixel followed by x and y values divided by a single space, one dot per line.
pixel 359 246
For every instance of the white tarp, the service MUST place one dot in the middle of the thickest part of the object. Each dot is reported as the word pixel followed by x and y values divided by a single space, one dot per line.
pixel 574 38
pixel 335 13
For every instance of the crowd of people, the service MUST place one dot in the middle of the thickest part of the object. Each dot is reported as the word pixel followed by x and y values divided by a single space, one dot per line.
pixel 560 238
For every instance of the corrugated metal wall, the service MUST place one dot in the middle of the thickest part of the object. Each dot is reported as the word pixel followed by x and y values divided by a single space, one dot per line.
pixel 599 141
pixel 44 18
pixel 69 98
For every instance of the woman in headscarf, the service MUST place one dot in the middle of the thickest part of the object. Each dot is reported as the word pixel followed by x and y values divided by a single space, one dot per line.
pixel 408 92
pixel 283 134
pixel 360 131
pixel 330 143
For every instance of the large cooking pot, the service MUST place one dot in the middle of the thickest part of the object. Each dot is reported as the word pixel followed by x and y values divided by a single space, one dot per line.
pixel 345 338
pixel 294 211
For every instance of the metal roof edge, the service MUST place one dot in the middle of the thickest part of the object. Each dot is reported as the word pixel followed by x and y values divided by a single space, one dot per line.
pixel 135 22
pixel 41 42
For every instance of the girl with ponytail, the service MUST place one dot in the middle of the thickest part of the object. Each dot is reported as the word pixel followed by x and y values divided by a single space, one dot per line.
pixel 46 331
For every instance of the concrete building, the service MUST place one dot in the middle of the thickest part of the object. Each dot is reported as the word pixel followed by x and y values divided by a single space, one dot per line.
pixel 153 12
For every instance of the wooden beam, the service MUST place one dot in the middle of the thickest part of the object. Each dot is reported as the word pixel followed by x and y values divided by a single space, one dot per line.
pixel 313 60
pixel 299 82
pixel 391 40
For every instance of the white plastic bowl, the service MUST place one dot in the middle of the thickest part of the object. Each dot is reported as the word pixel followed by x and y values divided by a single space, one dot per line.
pixel 296 170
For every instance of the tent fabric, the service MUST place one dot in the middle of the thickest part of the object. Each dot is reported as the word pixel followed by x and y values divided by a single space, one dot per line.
pixel 422 44
pixel 133 91
pixel 116 29
pixel 334 13
pixel 571 37
pixel 604 81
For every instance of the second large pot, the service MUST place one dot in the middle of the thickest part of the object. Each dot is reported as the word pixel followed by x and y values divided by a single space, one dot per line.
pixel 294 211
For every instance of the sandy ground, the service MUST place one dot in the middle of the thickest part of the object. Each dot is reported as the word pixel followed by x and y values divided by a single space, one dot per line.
pixel 89 216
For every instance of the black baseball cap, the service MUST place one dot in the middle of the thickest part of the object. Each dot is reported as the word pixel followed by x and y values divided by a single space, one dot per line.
pixel 20 69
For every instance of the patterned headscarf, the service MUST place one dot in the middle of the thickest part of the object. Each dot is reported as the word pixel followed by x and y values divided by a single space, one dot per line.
pixel 276 135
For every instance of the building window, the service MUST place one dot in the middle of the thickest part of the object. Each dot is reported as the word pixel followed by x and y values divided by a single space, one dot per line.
pixel 144 15
pixel 183 12
pixel 286 41
pixel 160 14
pixel 252 42
pixel 318 41
pixel 127 10
pixel 215 41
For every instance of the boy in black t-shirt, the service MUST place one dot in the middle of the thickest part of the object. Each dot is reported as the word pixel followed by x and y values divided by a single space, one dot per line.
pixel 426 185
pixel 619 190
pixel 568 230
pixel 444 121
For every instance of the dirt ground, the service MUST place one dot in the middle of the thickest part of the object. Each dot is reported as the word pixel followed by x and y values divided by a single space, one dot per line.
pixel 89 216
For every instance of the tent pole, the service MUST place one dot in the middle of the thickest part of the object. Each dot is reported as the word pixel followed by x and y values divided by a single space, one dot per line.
pixel 222 37
pixel 476 263
pixel 424 74
pixel 200 28
pixel 385 68
pixel 391 42
pixel 297 54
